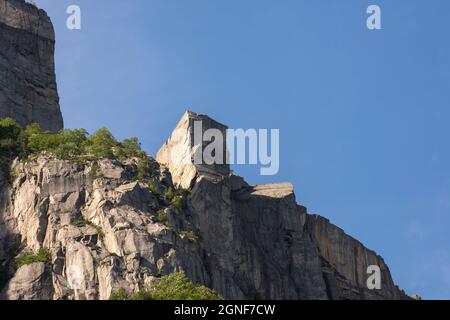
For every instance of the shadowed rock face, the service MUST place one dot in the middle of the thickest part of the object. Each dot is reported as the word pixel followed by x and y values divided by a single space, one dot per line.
pixel 31 282
pixel 103 229
pixel 28 90
pixel 268 244
pixel 251 242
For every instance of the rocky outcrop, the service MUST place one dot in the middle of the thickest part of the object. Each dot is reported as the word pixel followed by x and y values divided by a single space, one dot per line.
pixel 103 230
pixel 245 229
pixel 99 226
pixel 182 154
pixel 345 262
pixel 28 90
pixel 31 282
pixel 268 244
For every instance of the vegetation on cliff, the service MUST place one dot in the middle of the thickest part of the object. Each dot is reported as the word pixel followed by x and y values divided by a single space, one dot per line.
pixel 42 256
pixel 76 144
pixel 171 287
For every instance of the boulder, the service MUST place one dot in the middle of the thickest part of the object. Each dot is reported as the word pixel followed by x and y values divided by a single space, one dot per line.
pixel 30 282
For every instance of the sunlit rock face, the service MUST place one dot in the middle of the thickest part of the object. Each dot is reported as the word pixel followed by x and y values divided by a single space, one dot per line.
pixel 100 229
pixel 28 90
pixel 268 246
pixel 185 144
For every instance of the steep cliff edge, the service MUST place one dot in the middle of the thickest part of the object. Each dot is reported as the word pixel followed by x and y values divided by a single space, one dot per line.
pixel 104 230
pixel 28 90
pixel 72 229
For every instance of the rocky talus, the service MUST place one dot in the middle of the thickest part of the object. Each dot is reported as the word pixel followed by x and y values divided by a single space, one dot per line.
pixel 27 69
pixel 104 232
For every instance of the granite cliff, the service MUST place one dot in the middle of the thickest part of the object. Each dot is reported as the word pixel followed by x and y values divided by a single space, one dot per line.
pixel 101 229
pixel 27 73
pixel 104 230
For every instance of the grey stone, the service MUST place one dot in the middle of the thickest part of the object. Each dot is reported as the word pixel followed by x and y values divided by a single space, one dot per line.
pixel 254 242
pixel 30 282
pixel 244 241
pixel 179 151
pixel 28 90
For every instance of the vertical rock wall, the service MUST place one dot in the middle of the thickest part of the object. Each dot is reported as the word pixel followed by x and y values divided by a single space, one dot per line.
pixel 28 90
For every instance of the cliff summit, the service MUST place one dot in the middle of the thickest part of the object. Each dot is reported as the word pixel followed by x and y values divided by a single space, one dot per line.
pixel 28 91
pixel 88 217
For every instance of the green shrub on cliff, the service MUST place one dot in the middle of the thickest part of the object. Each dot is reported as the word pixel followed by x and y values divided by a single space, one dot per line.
pixel 42 256
pixel 12 143
pixel 161 216
pixel 177 202
pixel 169 194
pixel 71 144
pixel 68 144
pixel 131 148
pixel 119 294
pixel 172 287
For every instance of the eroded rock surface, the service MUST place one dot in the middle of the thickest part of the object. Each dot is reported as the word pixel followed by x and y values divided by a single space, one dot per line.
pixel 30 282
pixel 180 151
pixel 103 230
pixel 28 90
pixel 99 226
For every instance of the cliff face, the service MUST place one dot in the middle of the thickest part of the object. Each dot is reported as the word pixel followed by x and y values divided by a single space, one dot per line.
pixel 103 232
pixel 28 90
pixel 98 225
pixel 264 240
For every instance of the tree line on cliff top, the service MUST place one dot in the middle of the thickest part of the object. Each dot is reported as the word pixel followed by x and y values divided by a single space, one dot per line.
pixel 68 144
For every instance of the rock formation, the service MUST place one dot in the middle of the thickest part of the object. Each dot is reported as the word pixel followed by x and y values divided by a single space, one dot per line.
pixel 27 74
pixel 179 151
pixel 101 229
pixel 246 242
pixel 265 241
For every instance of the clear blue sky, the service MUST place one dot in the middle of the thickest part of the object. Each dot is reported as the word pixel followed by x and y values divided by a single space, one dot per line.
pixel 364 115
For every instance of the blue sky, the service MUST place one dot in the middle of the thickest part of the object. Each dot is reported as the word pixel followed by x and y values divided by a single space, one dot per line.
pixel 363 115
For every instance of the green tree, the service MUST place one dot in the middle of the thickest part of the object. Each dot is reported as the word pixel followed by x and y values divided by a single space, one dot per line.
pixel 131 148
pixel 76 144
pixel 177 202
pixel 42 256
pixel 172 287
pixel 12 143
pixel 101 144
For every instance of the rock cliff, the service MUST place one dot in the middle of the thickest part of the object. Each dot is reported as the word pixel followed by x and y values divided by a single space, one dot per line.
pixel 28 90
pixel 103 231
pixel 85 229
